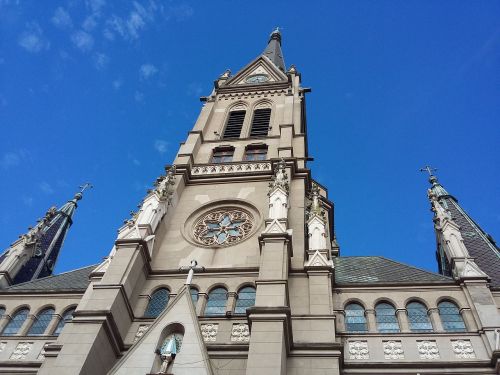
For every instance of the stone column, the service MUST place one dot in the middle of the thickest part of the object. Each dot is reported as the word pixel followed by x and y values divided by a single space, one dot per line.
pixel 231 301
pixel 23 330
pixel 4 320
pixel 53 324
pixel 468 318
pixel 435 319
pixel 202 302
pixel 402 316
pixel 142 304
pixel 371 320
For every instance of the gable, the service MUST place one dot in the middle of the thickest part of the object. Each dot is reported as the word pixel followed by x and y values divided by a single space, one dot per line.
pixel 260 66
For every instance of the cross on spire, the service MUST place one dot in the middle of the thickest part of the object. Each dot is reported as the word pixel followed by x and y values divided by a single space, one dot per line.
pixel 193 266
pixel 428 169
pixel 85 186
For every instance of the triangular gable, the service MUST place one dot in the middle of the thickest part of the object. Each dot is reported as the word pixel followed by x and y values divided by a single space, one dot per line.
pixel 318 260
pixel 274 227
pixel 261 65
pixel 141 356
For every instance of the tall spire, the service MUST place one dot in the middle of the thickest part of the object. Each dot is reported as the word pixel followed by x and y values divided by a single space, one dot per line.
pixel 273 50
pixel 479 245
pixel 35 254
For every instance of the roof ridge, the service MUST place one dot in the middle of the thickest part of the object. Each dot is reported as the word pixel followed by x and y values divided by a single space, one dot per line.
pixel 414 267
pixel 51 276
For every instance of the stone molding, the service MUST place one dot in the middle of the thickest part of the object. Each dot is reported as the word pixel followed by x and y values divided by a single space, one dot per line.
pixel 218 169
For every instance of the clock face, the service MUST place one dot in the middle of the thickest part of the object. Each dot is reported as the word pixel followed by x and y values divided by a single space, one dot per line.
pixel 257 78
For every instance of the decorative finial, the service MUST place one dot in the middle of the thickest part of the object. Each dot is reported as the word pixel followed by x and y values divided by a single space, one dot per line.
pixel 429 170
pixel 226 74
pixel 83 187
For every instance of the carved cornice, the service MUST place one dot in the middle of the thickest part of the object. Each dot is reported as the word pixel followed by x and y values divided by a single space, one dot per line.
pixel 222 169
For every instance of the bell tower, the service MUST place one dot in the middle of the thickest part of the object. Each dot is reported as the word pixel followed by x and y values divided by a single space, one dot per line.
pixel 240 201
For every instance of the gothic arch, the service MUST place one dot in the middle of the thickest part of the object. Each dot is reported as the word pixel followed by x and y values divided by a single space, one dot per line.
pixel 158 287
pixel 417 299
pixel 449 299
pixel 44 307
pixel 245 284
pixel 239 105
pixel 386 300
pixel 356 301
pixel 218 285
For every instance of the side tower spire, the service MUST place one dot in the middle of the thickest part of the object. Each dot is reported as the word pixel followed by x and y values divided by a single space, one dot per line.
pixel 464 249
pixel 35 253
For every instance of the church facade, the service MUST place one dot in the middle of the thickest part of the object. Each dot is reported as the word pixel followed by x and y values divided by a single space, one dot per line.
pixel 231 266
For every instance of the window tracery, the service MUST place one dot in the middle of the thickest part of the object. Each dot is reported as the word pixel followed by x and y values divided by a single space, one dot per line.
pixel 223 227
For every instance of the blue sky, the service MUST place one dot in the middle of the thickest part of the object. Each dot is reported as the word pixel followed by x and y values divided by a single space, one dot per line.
pixel 104 91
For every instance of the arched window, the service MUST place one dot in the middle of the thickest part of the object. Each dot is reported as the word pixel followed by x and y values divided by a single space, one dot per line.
pixel 216 304
pixel 260 122
pixel 234 124
pixel 194 295
pixel 67 316
pixel 387 320
pixel 355 320
pixel 246 299
pixel 418 318
pixel 450 317
pixel 15 323
pixel 158 302
pixel 41 322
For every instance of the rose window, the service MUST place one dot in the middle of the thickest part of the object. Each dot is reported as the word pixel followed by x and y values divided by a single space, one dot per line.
pixel 223 227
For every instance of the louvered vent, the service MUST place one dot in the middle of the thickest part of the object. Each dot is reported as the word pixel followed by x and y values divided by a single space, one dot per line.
pixel 234 124
pixel 260 122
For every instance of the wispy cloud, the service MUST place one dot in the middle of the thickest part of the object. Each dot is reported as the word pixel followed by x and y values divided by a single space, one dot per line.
pixel 101 60
pixel 62 19
pixel 161 146
pixel 146 71
pixel 32 39
pixel 28 201
pixel 117 84
pixel 46 188
pixel 82 40
pixel 13 158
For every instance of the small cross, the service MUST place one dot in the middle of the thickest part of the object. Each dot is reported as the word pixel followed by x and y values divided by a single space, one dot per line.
pixel 192 267
pixel 86 186
pixel 428 169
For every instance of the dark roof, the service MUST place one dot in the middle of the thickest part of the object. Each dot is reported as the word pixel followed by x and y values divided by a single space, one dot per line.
pixel 477 242
pixel 68 281
pixel 273 50
pixel 379 270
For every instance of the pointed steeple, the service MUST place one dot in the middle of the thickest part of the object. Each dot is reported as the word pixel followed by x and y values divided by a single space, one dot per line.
pixel 273 50
pixel 35 254
pixel 477 244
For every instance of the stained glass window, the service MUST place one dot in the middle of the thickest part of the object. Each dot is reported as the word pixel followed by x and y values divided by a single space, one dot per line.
pixel 194 295
pixel 387 320
pixel 41 322
pixel 67 316
pixel 223 227
pixel 216 304
pixel 158 302
pixel 15 323
pixel 450 317
pixel 246 299
pixel 355 320
pixel 418 317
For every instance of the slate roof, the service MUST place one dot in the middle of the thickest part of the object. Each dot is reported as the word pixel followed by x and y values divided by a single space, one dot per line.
pixel 76 280
pixel 480 247
pixel 380 270
pixel 273 50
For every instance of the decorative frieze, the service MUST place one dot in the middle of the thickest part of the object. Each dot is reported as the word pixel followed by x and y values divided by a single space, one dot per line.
pixel 393 349
pixel 140 332
pixel 463 349
pixel 240 332
pixel 428 349
pixel 358 350
pixel 214 169
pixel 21 351
pixel 209 331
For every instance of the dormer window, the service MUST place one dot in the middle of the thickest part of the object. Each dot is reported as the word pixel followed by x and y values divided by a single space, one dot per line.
pixel 223 154
pixel 255 152
pixel 260 122
pixel 234 124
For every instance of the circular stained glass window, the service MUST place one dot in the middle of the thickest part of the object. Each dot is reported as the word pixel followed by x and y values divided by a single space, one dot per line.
pixel 223 227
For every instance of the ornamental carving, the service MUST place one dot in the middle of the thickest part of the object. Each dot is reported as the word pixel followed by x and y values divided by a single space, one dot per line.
pixel 140 332
pixel 230 168
pixel 240 333
pixel 393 350
pixel 427 349
pixel 358 350
pixel 463 349
pixel 223 227
pixel 209 331
pixel 21 351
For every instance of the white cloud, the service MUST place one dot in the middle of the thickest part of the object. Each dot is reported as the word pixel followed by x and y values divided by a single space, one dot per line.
pixel 45 187
pixel 146 71
pixel 13 159
pixel 117 84
pixel 90 23
pixel 28 201
pixel 161 146
pixel 62 19
pixel 95 5
pixel 82 40
pixel 138 96
pixel 32 39
pixel 130 26
pixel 136 162
pixel 101 60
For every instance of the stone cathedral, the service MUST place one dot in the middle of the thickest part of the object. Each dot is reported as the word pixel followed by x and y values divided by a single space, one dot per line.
pixel 231 266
